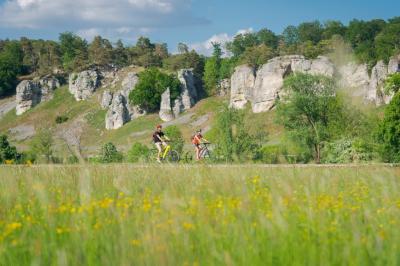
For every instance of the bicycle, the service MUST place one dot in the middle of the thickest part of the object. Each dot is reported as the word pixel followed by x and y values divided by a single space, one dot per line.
pixel 168 154
pixel 205 153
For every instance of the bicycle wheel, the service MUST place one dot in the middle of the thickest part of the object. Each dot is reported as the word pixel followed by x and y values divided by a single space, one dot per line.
pixel 173 156
pixel 206 155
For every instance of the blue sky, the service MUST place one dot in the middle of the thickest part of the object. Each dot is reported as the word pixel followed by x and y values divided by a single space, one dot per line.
pixel 195 22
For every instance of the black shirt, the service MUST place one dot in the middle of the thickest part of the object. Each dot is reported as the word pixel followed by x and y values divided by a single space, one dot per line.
pixel 156 135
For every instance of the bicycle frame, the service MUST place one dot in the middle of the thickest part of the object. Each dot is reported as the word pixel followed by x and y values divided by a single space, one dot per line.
pixel 166 150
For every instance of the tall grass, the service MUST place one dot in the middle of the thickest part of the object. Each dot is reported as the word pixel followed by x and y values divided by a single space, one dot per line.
pixel 199 215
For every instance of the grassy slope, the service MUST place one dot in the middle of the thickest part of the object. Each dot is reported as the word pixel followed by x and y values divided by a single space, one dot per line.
pixel 138 130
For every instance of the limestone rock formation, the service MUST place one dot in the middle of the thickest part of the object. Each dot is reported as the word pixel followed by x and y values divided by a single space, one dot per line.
pixel 189 92
pixel 82 85
pixel 28 95
pixel 106 100
pixel 117 114
pixel 166 113
pixel 32 92
pixel 223 87
pixel 242 84
pixel 123 112
pixel 262 89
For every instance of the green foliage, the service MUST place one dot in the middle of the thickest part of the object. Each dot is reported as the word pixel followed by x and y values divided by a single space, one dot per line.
pixel 309 110
pixel 269 154
pixel 100 51
pixel 74 51
pixel 61 119
pixel 310 31
pixel 231 137
pixel 184 61
pixel 10 67
pixel 389 131
pixel 138 153
pixel 42 146
pixel 392 83
pixel 347 151
pixel 110 154
pixel 257 55
pixel 7 152
pixel 177 141
pixel 152 83
pixel 211 76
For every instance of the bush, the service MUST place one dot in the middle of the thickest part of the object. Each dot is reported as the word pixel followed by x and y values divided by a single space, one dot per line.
pixel 152 83
pixel 347 151
pixel 177 141
pixel 269 154
pixel 138 153
pixel 42 146
pixel 110 154
pixel 389 131
pixel 61 119
pixel 7 152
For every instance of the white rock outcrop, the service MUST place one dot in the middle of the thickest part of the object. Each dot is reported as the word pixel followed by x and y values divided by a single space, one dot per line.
pixel 117 114
pixel 30 93
pixel 120 111
pixel 264 87
pixel 166 114
pixel 106 99
pixel 242 84
pixel 187 99
pixel 83 85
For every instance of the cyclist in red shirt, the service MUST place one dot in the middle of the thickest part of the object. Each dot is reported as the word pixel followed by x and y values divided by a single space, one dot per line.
pixel 196 141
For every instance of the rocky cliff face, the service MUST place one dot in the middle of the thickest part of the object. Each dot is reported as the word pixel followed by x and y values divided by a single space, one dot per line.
pixel 262 89
pixel 32 92
pixel 186 100
pixel 120 111
pixel 82 85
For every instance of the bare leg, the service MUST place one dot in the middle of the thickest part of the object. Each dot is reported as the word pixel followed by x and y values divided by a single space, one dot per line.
pixel 158 145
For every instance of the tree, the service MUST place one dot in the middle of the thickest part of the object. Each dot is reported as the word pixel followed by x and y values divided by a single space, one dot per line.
pixel 392 83
pixel 100 51
pixel 42 145
pixel 268 38
pixel 290 35
pixel 389 131
pixel 10 67
pixel 241 42
pixel 309 110
pixel 186 60
pixel 257 55
pixel 120 56
pixel 387 42
pixel 74 51
pixel 183 48
pixel 7 152
pixel 231 137
pixel 333 27
pixel 110 154
pixel 212 69
pixel 310 31
pixel 152 83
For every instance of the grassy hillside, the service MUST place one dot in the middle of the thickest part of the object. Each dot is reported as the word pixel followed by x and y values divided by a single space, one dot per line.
pixel 90 119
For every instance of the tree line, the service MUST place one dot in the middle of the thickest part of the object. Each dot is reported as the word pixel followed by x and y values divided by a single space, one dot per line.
pixel 371 41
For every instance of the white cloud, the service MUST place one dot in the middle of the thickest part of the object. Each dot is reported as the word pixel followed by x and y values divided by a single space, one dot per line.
pixel 206 47
pixel 90 16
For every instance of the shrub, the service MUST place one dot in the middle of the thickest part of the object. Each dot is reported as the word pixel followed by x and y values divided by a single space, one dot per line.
pixel 61 119
pixel 42 146
pixel 110 154
pixel 138 153
pixel 347 151
pixel 269 154
pixel 174 133
pixel 389 131
pixel 7 152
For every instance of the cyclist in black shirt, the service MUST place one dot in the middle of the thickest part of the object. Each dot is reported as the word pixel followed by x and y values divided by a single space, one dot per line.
pixel 159 140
